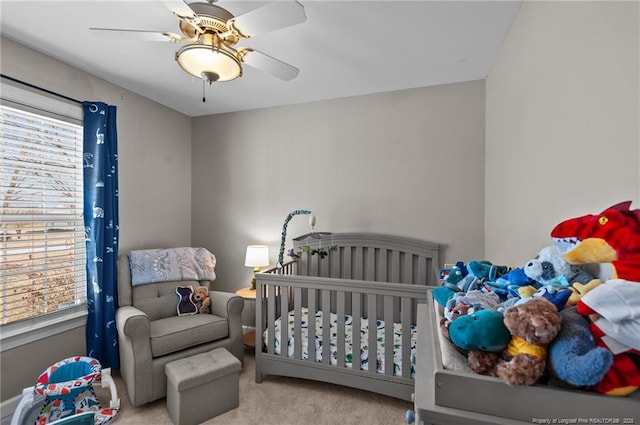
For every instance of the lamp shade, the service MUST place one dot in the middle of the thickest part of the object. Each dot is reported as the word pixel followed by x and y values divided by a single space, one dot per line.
pixel 257 256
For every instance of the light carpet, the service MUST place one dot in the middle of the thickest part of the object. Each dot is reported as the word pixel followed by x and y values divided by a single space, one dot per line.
pixel 281 401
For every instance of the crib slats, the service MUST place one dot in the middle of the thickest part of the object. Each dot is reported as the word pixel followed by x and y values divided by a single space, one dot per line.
pixel 324 266
pixel 416 265
pixel 370 264
pixel 433 273
pixel 381 275
pixel 314 265
pixel 303 268
pixel 367 308
pixel 271 319
pixel 334 260
pixel 284 322
pixel 373 330
pixel 340 328
pixel 297 319
pixel 346 262
pixel 422 271
pixel 356 325
pixel 394 272
pixel 311 323
pixel 326 329
pixel 406 337
pixel 259 319
pixel 407 275
pixel 363 258
pixel 388 336
pixel 357 259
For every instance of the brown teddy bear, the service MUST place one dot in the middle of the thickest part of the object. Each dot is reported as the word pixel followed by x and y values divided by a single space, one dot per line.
pixel 202 299
pixel 533 325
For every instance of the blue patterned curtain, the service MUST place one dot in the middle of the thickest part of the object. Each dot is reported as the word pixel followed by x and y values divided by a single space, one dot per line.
pixel 101 226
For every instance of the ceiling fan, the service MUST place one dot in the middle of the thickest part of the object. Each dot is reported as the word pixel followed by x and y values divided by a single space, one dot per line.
pixel 213 32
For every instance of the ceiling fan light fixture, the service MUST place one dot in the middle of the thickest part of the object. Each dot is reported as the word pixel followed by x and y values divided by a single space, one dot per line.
pixel 203 61
pixel 213 33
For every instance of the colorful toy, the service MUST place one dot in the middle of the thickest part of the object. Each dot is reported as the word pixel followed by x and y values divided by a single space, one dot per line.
pixel 202 299
pixel 66 389
pixel 613 236
pixel 532 326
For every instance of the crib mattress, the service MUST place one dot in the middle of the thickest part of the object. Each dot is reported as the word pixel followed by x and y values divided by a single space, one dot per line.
pixel 364 340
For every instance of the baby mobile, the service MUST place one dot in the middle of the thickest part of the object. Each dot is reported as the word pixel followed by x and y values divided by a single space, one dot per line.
pixel 312 222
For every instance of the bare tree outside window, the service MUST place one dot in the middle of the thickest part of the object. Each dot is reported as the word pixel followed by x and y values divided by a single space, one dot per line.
pixel 42 260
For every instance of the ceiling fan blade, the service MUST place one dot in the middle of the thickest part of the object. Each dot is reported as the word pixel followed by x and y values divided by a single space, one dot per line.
pixel 276 15
pixel 124 34
pixel 179 7
pixel 183 12
pixel 270 65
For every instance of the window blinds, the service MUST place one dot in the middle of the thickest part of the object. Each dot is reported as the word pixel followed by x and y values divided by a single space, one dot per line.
pixel 42 244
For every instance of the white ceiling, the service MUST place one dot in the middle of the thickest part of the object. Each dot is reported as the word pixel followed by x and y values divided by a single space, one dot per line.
pixel 345 48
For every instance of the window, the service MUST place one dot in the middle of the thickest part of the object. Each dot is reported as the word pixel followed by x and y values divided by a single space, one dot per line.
pixel 42 244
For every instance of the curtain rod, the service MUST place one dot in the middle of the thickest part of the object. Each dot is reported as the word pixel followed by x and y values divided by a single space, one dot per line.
pixel 41 89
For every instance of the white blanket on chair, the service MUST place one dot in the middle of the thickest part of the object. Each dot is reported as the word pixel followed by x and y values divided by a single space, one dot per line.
pixel 172 264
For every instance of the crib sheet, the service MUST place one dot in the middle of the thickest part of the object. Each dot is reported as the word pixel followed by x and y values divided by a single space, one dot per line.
pixel 364 340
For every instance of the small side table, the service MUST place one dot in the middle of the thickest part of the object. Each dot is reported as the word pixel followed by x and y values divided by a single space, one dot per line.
pixel 249 338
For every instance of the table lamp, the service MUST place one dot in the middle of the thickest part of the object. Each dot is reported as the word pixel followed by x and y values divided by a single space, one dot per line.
pixel 257 256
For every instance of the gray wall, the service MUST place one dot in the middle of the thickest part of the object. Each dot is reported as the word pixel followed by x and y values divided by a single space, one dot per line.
pixel 154 147
pixel 21 366
pixel 407 162
pixel 563 122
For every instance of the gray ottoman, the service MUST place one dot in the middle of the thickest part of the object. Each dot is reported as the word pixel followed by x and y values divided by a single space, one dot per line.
pixel 202 386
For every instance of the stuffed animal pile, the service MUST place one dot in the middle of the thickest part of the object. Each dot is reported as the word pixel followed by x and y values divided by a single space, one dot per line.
pixel 551 320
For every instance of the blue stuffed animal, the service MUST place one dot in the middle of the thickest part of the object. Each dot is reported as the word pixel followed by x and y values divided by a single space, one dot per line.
pixel 482 330
pixel 486 270
pixel 457 273
pixel 573 356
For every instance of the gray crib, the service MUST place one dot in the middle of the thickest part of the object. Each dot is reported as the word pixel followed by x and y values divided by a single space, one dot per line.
pixel 375 281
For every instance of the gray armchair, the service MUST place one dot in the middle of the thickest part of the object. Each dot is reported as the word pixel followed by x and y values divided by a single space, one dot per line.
pixel 151 334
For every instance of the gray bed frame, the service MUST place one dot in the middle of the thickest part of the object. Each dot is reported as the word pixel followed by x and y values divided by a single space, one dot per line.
pixel 368 276
pixel 447 397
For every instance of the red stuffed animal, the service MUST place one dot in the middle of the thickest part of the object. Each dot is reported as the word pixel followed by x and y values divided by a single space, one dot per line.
pixel 612 236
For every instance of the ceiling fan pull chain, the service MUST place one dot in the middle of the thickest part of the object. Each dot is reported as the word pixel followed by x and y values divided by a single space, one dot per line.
pixel 204 81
